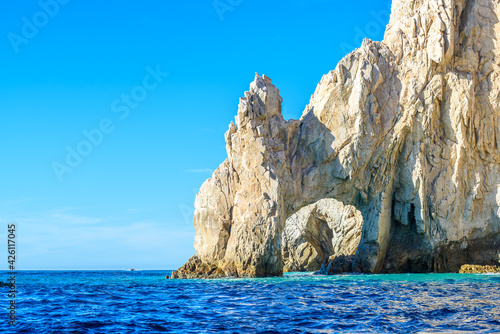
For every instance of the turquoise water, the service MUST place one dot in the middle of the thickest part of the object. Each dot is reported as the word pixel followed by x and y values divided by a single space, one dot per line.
pixel 145 302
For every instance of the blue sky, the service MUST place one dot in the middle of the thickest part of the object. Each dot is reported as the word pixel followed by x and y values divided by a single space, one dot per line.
pixel 88 69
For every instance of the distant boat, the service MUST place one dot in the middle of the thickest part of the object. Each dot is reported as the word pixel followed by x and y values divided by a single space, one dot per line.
pixel 132 269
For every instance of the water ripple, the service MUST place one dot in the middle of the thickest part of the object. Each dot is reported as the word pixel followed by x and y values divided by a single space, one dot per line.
pixel 144 302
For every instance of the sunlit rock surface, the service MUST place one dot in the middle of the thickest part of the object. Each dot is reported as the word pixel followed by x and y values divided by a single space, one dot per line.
pixel 405 131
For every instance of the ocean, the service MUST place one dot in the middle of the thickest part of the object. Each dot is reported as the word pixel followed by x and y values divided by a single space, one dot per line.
pixel 145 302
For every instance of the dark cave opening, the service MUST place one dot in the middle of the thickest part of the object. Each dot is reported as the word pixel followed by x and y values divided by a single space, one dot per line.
pixel 407 251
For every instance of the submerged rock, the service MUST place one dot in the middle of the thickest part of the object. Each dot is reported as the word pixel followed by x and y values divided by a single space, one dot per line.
pixel 406 131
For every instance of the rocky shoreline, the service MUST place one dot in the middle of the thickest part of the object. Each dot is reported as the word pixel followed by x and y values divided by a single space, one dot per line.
pixel 196 269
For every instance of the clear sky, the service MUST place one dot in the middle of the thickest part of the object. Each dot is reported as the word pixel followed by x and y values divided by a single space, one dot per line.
pixel 102 152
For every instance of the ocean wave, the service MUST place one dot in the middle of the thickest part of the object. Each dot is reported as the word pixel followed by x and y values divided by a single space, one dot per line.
pixel 144 302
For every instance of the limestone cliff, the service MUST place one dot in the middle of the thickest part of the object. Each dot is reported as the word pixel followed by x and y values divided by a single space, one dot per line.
pixel 405 131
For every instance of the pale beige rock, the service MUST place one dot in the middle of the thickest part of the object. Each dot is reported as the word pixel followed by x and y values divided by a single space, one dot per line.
pixel 319 231
pixel 239 211
pixel 406 131
pixel 475 269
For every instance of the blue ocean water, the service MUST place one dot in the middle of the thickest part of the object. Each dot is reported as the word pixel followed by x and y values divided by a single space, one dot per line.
pixel 145 302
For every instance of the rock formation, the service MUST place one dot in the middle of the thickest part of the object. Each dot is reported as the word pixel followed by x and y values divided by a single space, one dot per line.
pixel 195 268
pixel 406 131
pixel 337 265
pixel 317 232
pixel 475 269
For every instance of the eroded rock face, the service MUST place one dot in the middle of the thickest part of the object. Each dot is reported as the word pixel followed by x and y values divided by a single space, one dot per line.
pixel 319 231
pixel 406 131
pixel 239 212
pixel 339 265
